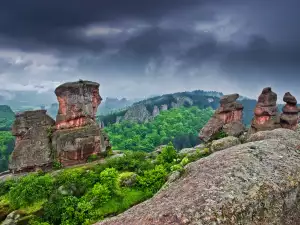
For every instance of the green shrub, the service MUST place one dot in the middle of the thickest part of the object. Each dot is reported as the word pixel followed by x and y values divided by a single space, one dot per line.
pixel 79 178
pixel 127 179
pixel 56 165
pixel 131 161
pixel 109 178
pixel 152 180
pixel 221 134
pixel 30 189
pixel 5 186
pixel 92 158
pixel 99 194
pixel 167 155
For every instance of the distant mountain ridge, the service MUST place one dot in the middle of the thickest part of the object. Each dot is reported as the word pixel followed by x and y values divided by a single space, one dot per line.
pixel 147 109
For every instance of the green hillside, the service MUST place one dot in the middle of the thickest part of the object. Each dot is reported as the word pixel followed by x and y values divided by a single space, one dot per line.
pixel 178 125
pixel 7 117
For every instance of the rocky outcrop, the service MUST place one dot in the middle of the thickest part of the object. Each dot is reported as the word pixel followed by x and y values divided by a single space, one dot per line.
pixel 228 117
pixel 137 113
pixel 155 111
pixel 266 116
pixel 249 184
pixel 32 147
pixel 163 107
pixel 289 116
pixel 77 135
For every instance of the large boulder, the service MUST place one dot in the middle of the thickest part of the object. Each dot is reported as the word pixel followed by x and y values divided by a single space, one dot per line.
pixel 228 117
pixel 32 130
pixel 249 184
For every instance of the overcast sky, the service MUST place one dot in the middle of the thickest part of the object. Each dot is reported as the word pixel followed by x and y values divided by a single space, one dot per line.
pixel 137 48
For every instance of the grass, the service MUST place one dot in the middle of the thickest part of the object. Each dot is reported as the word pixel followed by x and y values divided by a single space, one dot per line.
pixel 129 198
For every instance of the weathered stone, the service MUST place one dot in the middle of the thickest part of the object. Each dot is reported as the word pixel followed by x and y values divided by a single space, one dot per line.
pixel 228 112
pixel 249 184
pixel 213 126
pixel 155 111
pixel 164 107
pixel 267 97
pixel 289 98
pixel 224 143
pixel 266 116
pixel 235 128
pixel 289 117
pixel 32 130
pixel 137 113
pixel 280 133
pixel 225 99
pixel 78 104
pixel 74 146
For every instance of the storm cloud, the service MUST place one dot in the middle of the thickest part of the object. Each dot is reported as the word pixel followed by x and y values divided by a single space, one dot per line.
pixel 140 48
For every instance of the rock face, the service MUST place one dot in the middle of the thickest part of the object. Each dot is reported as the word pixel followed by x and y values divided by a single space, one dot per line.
pixel 33 146
pixel 155 111
pixel 78 104
pixel 289 116
pixel 77 135
pixel 137 113
pixel 228 115
pixel 249 184
pixel 266 115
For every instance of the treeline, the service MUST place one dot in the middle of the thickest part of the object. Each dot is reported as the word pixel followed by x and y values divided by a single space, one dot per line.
pixel 178 125
pixel 6 148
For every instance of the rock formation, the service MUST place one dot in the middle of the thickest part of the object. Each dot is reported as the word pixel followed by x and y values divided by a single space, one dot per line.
pixel 33 147
pixel 250 184
pixel 155 111
pixel 77 135
pixel 289 116
pixel 266 116
pixel 228 117
pixel 163 107
pixel 78 104
pixel 137 113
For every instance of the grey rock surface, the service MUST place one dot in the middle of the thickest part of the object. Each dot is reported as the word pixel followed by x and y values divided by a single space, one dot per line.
pixel 249 184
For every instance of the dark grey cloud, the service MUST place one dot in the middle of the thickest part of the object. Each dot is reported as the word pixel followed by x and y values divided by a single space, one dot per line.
pixel 171 45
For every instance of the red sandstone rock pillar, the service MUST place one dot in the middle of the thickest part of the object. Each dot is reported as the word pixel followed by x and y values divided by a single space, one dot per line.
pixel 228 117
pixel 289 116
pixel 266 115
pixel 78 104
pixel 77 134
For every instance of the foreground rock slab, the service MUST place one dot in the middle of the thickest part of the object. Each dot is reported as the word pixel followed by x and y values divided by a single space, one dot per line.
pixel 252 183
